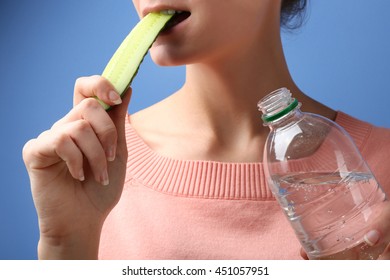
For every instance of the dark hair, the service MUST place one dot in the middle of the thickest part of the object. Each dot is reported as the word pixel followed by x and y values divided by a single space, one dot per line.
pixel 292 13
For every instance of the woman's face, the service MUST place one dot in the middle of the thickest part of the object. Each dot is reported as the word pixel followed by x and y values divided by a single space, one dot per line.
pixel 213 30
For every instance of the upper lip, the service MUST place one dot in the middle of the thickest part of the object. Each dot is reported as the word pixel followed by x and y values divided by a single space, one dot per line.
pixel 159 8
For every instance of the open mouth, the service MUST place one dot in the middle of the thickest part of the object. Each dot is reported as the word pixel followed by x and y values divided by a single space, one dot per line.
pixel 178 17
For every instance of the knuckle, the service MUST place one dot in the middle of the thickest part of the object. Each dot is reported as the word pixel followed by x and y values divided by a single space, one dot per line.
pixel 100 82
pixel 91 104
pixel 79 82
pixel 60 141
pixel 93 83
pixel 91 86
pixel 82 127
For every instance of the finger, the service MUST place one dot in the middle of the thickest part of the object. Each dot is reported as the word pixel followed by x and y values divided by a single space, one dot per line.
pixel 32 152
pixel 48 150
pixel 379 235
pixel 92 112
pixel 68 151
pixel 380 229
pixel 372 237
pixel 303 254
pixel 87 141
pixel 385 254
pixel 95 86
pixel 118 113
pixel 70 143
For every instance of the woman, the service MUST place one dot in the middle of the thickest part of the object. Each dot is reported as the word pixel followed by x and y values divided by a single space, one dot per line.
pixel 183 178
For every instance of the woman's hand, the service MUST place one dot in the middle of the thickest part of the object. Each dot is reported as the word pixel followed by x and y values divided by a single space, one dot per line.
pixel 378 238
pixel 376 241
pixel 77 171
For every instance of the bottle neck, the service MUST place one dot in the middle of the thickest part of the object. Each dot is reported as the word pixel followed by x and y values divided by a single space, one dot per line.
pixel 278 107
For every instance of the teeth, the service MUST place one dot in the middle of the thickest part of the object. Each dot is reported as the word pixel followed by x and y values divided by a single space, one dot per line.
pixel 169 12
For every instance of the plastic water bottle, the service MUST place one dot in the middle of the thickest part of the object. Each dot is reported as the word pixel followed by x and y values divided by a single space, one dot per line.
pixel 320 179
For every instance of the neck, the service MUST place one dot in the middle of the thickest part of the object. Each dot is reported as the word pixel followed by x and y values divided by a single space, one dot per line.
pixel 214 115
pixel 227 89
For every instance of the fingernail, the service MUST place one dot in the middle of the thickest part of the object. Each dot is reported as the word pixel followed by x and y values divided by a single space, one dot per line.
pixel 114 97
pixel 81 175
pixel 372 237
pixel 111 153
pixel 104 178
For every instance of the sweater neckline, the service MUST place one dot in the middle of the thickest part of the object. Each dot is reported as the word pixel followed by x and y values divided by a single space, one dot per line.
pixel 207 179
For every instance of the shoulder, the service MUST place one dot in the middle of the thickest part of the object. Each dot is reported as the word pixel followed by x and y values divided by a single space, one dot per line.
pixel 380 135
pixel 364 134
pixel 376 151
pixel 373 143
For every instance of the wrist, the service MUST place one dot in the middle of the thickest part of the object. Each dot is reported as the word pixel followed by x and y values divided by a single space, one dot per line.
pixel 84 246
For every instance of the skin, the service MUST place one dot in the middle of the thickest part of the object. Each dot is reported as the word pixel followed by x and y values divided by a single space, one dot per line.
pixel 69 166
pixel 212 117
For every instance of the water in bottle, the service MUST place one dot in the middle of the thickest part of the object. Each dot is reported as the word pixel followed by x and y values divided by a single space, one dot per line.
pixel 320 179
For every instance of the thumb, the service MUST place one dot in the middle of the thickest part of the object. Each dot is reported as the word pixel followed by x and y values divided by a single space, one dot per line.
pixel 118 115
pixel 379 235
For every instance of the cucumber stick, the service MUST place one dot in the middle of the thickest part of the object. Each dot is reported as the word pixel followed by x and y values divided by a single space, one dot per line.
pixel 124 64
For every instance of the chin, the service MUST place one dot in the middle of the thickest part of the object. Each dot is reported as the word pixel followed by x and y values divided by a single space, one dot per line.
pixel 163 58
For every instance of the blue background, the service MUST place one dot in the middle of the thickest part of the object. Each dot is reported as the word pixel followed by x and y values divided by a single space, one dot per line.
pixel 340 57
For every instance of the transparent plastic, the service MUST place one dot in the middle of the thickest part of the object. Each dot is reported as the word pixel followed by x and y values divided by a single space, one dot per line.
pixel 320 179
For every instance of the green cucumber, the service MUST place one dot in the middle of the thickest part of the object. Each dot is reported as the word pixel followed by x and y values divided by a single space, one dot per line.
pixel 124 64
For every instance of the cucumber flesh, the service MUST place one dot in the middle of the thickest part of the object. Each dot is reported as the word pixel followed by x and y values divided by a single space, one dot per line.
pixel 124 64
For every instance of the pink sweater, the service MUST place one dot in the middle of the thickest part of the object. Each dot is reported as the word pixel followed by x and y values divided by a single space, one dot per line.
pixel 175 209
